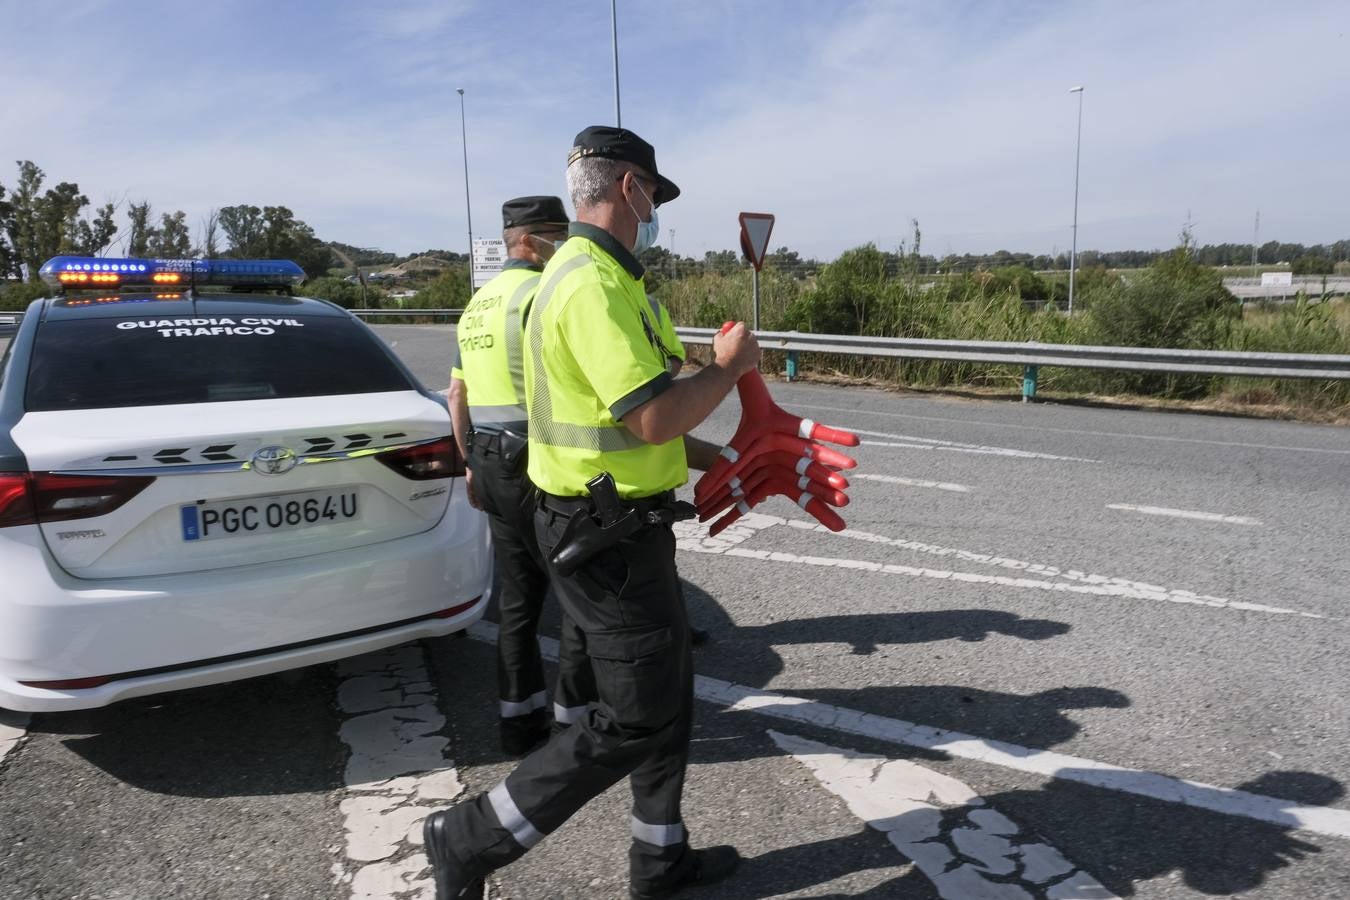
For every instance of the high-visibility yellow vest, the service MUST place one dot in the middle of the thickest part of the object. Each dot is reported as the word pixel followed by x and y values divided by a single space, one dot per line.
pixel 595 353
pixel 491 356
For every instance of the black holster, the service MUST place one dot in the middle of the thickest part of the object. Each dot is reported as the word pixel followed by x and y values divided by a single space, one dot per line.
pixel 607 520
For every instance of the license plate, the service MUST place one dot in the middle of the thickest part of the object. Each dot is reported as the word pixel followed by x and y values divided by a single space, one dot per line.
pixel 208 521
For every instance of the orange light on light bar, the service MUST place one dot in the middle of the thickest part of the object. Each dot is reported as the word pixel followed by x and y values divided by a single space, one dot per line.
pixel 167 278
pixel 89 278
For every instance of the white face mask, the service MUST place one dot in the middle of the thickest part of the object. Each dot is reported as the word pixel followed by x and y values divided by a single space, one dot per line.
pixel 546 248
pixel 648 232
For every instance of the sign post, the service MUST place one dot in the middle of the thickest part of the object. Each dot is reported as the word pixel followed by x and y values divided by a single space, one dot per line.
pixel 489 255
pixel 755 231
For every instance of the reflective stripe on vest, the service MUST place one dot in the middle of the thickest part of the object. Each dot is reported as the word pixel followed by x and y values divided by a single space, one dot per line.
pixel 509 414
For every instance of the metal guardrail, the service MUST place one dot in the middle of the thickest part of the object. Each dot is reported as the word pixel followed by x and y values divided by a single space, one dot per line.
pixel 452 314
pixel 1032 355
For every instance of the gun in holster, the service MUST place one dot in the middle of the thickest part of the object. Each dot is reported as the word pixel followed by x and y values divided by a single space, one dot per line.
pixel 611 520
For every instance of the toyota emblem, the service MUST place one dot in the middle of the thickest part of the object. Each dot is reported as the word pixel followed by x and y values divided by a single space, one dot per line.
pixel 274 460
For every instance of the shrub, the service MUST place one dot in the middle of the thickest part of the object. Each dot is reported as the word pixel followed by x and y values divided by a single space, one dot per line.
pixel 16 295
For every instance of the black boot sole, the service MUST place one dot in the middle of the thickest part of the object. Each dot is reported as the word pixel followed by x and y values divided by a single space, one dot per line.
pixel 434 839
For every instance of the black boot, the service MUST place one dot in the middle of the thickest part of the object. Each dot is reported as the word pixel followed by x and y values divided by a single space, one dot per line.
pixel 695 869
pixel 453 880
pixel 522 735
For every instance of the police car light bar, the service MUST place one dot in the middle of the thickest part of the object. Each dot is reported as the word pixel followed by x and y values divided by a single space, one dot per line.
pixel 101 272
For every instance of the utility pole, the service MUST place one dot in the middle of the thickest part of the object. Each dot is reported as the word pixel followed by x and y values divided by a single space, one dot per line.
pixel 614 25
pixel 1256 238
pixel 468 208
pixel 1077 155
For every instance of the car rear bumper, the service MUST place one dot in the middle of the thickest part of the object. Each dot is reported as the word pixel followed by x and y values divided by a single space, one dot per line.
pixel 23 698
pixel 170 632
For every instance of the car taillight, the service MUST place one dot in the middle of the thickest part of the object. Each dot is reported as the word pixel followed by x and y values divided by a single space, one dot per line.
pixel 31 498
pixel 438 459
pixel 16 503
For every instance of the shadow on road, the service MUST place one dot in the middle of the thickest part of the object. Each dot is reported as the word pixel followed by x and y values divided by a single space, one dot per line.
pixel 271 735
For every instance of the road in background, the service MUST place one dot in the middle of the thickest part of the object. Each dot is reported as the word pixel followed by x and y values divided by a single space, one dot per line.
pixel 1149 607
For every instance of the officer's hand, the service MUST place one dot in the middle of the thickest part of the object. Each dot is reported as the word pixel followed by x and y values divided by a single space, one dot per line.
pixel 737 351
pixel 473 496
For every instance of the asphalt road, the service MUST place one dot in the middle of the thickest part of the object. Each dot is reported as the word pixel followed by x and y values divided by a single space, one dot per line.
pixel 1061 652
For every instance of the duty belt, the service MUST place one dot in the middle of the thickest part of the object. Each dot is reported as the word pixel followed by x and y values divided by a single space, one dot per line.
pixel 506 444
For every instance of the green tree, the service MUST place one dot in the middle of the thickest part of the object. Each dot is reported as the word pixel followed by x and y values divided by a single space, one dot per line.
pixel 9 260
pixel 450 290
pixel 172 239
pixel 243 227
pixel 141 234
pixel 1313 265
pixel 92 236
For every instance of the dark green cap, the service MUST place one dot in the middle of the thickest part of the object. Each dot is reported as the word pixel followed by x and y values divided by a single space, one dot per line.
pixel 533 211
pixel 609 142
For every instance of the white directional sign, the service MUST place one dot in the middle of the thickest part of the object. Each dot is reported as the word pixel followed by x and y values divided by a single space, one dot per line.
pixel 489 255
pixel 755 231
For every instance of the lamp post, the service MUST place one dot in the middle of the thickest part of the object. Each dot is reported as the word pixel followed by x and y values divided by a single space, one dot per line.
pixel 614 26
pixel 468 209
pixel 1077 155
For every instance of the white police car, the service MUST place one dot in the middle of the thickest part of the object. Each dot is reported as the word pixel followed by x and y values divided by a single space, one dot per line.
pixel 198 487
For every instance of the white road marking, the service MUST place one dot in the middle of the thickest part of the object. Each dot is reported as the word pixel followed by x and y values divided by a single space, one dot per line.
pixel 943 826
pixel 692 537
pixel 913 442
pixel 13 726
pixel 1185 514
pixel 397 772
pixel 1072 431
pixel 1226 801
pixel 915 482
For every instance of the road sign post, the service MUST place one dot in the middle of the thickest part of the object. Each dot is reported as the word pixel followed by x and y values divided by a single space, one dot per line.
pixel 755 231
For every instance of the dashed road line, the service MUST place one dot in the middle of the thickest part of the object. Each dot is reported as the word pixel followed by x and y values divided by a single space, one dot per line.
pixel 397 772
pixel 1185 514
pixel 945 827
pixel 692 537
pixel 914 482
pixel 1047 763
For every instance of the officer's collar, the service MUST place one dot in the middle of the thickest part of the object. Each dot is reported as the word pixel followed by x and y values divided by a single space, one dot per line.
pixel 610 245
pixel 514 263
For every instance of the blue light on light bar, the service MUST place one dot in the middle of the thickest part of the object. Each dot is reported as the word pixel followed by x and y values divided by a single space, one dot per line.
pixel 96 272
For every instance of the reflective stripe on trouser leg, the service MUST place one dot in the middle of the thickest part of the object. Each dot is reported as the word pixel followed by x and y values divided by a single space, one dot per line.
pixel 569 715
pixel 512 819
pixel 513 708
pixel 659 835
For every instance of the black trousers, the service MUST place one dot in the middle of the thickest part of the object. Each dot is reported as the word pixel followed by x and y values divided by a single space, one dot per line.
pixel 522 588
pixel 630 616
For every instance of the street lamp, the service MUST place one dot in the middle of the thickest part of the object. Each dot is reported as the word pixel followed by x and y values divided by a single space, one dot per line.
pixel 468 209
pixel 1077 153
pixel 614 25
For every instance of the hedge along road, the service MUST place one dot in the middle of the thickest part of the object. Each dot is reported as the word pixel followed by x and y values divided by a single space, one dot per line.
pixel 1029 685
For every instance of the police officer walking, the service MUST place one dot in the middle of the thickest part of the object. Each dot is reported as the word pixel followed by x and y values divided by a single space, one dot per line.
pixel 608 444
pixel 487 407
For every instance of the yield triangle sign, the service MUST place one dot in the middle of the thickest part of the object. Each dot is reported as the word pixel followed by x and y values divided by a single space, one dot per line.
pixel 755 231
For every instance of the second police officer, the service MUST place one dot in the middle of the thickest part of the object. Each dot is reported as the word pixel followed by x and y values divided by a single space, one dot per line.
pixel 487 407
pixel 608 444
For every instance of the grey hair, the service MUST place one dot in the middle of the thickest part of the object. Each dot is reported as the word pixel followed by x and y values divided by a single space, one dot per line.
pixel 591 178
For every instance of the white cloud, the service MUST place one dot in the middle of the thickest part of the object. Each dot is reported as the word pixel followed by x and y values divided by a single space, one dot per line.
pixel 845 120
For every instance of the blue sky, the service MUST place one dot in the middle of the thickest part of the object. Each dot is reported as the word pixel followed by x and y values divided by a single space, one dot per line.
pixel 845 119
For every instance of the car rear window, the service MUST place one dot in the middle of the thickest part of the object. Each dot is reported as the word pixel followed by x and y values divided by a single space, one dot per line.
pixel 117 362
